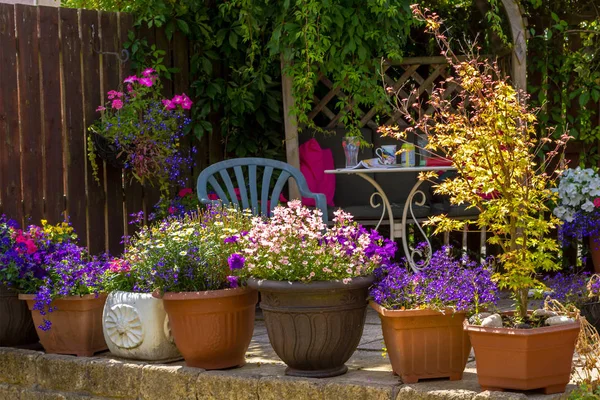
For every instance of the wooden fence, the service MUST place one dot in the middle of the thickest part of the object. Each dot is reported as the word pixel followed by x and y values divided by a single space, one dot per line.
pixel 56 65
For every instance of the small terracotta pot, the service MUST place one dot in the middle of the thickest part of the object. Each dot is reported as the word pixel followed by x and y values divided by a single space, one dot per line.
pixel 16 325
pixel 314 327
pixel 424 344
pixel 524 359
pixel 212 329
pixel 76 324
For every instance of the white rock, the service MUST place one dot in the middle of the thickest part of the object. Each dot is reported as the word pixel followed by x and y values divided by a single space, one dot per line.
pixel 543 313
pixel 493 321
pixel 477 318
pixel 559 320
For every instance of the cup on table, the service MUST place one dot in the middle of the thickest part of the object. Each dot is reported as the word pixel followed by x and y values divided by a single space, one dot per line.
pixel 387 154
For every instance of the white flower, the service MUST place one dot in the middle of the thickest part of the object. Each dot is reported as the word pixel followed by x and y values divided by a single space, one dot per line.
pixel 588 206
pixel 183 253
pixel 160 246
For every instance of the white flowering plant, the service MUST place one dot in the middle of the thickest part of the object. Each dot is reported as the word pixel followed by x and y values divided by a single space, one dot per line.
pixel 295 245
pixel 578 203
pixel 196 252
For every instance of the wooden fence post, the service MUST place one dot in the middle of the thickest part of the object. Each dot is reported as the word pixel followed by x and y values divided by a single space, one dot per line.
pixel 291 126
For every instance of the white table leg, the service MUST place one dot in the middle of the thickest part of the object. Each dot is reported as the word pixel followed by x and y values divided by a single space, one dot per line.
pixel 387 206
pixel 410 252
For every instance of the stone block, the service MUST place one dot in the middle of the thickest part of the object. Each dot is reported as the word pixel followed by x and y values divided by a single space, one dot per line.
pixel 227 385
pixel 18 366
pixel 9 392
pixel 168 382
pixel 285 387
pixel 361 385
pixel 410 393
pixel 62 373
pixel 114 378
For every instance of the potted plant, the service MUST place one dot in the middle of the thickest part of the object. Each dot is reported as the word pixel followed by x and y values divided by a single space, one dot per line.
pixel 16 325
pixel 193 266
pixel 579 289
pixel 135 323
pixel 314 285
pixel 578 202
pixel 141 131
pixel 422 313
pixel 62 285
pixel 488 131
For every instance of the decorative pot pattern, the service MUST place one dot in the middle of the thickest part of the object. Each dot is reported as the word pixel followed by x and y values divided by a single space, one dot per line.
pixel 524 359
pixel 16 324
pixel 424 344
pixel 314 327
pixel 134 327
pixel 212 329
pixel 76 324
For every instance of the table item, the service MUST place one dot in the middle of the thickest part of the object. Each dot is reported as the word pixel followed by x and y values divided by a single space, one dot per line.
pixel 351 145
pixel 387 154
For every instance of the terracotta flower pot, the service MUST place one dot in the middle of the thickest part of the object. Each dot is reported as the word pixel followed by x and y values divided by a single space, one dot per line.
pixel 524 359
pixel 16 325
pixel 136 326
pixel 76 324
pixel 424 344
pixel 212 329
pixel 314 327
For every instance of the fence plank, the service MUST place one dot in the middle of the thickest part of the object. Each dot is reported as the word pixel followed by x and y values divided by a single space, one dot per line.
pixel 9 122
pixel 96 198
pixel 26 19
pixel 73 120
pixel 114 177
pixel 52 123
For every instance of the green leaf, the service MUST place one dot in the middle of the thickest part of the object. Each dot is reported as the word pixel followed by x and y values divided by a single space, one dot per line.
pixel 183 26
pixel 233 38
pixel 584 98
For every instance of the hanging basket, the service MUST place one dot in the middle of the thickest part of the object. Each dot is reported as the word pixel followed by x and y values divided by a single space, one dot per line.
pixel 108 151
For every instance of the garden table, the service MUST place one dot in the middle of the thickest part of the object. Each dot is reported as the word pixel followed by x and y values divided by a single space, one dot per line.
pixel 400 229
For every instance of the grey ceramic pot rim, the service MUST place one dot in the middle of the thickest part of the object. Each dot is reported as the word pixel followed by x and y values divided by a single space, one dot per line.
pixel 285 286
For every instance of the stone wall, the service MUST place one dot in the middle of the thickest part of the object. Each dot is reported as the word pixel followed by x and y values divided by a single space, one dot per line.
pixel 32 375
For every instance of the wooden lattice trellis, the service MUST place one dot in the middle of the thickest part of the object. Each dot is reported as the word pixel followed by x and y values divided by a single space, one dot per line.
pixel 420 74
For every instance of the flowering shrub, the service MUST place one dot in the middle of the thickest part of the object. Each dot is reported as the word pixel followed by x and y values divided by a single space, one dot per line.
pixel 294 245
pixel 578 203
pixel 445 283
pixel 190 253
pixel 48 263
pixel 146 130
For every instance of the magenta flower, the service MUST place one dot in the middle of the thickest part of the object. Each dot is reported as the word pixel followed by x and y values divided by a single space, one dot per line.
pixel 129 88
pixel 597 202
pixel 233 281
pixel 177 99
pixel 113 94
pixel 236 261
pixel 131 79
pixel 187 104
pixel 148 72
pixel 231 239
pixel 146 82
pixel 100 108
pixel 168 104
pixel 185 191
pixel 117 104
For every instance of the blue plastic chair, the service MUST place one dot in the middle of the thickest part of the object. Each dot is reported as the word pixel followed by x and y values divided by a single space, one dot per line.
pixel 267 196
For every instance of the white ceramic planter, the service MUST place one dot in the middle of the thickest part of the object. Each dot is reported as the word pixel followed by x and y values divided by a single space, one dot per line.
pixel 136 326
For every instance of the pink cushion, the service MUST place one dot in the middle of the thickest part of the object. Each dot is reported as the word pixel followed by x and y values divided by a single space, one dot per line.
pixel 313 163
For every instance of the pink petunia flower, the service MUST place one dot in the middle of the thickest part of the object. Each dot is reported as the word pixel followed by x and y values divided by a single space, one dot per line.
pixel 113 94
pixel 117 104
pixel 187 103
pixel 130 88
pixel 131 79
pixel 168 104
pixel 185 191
pixel 146 82
pixel 148 72
pixel 597 202
pixel 100 108
pixel 171 210
pixel 177 99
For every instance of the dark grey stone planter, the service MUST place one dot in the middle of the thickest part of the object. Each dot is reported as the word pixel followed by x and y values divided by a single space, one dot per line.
pixel 314 327
pixel 16 324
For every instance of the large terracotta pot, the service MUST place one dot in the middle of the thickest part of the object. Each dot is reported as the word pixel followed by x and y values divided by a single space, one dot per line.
pixel 424 344
pixel 213 329
pixel 524 359
pixel 16 325
pixel 136 326
pixel 76 324
pixel 314 327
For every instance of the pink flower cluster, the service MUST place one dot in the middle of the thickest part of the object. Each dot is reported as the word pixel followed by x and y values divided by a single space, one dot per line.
pixel 295 245
pixel 27 240
pixel 178 100
pixel 119 266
